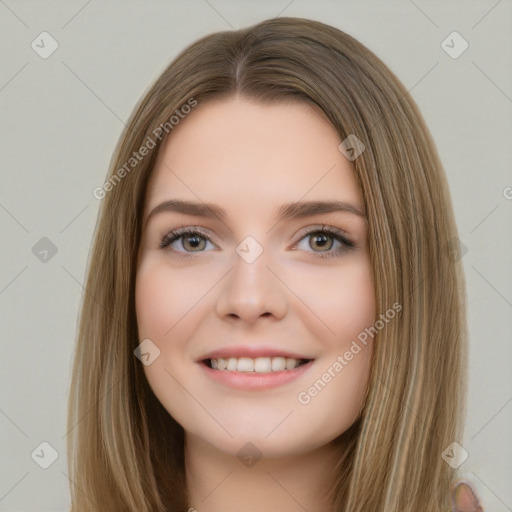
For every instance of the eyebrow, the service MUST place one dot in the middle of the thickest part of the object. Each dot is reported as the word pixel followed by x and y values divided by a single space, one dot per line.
pixel 296 210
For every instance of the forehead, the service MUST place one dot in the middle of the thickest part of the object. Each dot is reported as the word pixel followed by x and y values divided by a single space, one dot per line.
pixel 250 154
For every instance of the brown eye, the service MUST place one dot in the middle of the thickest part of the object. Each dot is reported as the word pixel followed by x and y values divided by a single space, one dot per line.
pixel 321 240
pixel 192 240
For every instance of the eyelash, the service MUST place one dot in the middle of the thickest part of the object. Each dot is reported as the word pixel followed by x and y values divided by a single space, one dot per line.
pixel 347 244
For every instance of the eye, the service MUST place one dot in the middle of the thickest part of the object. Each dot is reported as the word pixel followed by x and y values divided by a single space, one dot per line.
pixel 191 238
pixel 194 240
pixel 320 237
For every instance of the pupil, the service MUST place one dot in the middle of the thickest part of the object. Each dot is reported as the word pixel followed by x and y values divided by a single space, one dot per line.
pixel 195 241
pixel 322 242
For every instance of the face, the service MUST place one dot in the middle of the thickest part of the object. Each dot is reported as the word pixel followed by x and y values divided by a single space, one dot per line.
pixel 256 286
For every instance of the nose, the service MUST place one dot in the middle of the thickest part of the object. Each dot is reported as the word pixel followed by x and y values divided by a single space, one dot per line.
pixel 250 291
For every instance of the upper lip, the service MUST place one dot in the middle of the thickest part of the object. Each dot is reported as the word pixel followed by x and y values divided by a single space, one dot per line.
pixel 252 352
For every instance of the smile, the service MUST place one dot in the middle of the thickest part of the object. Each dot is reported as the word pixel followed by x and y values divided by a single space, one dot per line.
pixel 257 374
pixel 258 365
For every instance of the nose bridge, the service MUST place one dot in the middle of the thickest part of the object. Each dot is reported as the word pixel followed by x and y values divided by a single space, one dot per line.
pixel 251 289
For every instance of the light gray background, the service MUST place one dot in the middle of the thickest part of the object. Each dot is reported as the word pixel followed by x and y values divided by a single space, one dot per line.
pixel 62 116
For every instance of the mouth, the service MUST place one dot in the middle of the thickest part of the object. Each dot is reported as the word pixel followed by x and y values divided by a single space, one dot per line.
pixel 255 365
pixel 255 374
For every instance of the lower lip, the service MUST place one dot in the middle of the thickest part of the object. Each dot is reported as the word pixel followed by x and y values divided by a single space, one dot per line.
pixel 254 380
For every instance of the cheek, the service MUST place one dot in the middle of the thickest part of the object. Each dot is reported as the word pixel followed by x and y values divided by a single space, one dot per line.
pixel 165 315
pixel 154 303
pixel 334 398
pixel 343 301
pixel 354 307
pixel 169 306
pixel 162 299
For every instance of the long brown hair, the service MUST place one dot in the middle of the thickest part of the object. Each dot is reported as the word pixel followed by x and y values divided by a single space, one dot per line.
pixel 125 450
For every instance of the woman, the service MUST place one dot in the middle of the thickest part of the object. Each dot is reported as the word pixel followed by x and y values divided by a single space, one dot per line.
pixel 252 368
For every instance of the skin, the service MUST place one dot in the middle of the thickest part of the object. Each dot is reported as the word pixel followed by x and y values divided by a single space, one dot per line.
pixel 464 498
pixel 250 158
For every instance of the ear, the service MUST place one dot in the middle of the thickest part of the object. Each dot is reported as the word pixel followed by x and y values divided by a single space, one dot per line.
pixel 464 499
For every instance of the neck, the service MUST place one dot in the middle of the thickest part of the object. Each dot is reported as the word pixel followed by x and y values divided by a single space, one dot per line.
pixel 220 482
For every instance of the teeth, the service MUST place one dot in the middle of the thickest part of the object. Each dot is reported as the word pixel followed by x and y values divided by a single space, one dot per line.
pixel 244 364
pixel 258 365
pixel 290 364
pixel 279 363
